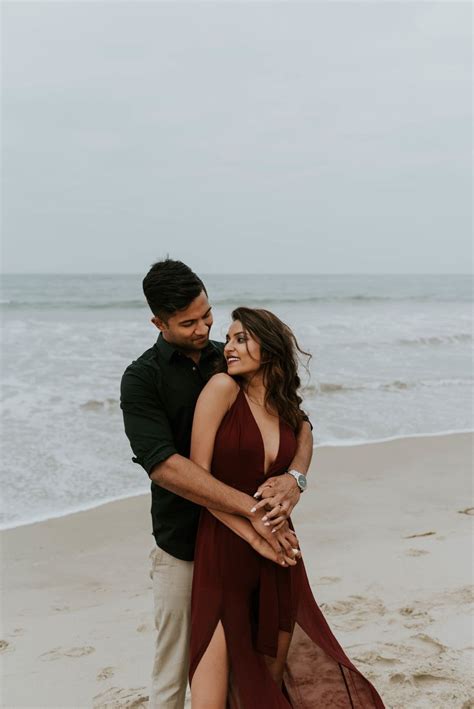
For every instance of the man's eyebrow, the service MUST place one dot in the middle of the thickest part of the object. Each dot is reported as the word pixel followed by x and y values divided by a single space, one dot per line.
pixel 182 322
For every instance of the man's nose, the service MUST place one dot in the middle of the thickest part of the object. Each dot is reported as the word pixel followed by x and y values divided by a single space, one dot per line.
pixel 202 329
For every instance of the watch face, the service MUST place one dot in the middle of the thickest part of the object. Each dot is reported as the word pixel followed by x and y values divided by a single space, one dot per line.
pixel 302 482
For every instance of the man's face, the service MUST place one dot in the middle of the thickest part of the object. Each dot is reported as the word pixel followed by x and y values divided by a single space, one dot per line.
pixel 188 329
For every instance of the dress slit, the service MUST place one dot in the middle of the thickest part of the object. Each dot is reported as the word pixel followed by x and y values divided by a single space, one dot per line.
pixel 196 660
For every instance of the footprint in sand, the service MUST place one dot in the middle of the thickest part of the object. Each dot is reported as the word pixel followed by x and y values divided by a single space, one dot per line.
pixel 355 609
pixel 414 617
pixel 425 678
pixel 58 652
pixel 323 580
pixel 398 678
pixel 143 628
pixel 429 645
pixel 5 646
pixel 370 657
pixel 105 673
pixel 416 552
pixel 116 698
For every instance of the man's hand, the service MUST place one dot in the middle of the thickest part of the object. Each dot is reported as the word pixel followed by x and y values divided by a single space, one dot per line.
pixel 279 496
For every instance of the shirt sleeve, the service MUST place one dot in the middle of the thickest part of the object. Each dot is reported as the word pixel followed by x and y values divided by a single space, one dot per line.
pixel 146 424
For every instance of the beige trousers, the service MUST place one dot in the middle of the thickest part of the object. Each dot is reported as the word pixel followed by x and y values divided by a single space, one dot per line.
pixel 172 579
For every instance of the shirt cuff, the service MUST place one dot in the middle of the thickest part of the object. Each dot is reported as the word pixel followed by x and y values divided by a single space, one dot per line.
pixel 158 456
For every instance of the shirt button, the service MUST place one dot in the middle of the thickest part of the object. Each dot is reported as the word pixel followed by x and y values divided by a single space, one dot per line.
pixel 194 369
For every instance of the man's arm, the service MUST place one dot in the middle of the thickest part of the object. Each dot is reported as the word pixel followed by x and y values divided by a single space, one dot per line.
pixel 187 479
pixel 151 439
pixel 149 432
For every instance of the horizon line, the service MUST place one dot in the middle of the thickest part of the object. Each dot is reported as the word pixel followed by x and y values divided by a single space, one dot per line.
pixel 246 273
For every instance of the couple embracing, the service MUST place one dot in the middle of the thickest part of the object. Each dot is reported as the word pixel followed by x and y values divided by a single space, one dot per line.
pixel 220 431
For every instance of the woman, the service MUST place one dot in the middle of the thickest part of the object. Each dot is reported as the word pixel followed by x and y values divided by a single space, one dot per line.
pixel 258 638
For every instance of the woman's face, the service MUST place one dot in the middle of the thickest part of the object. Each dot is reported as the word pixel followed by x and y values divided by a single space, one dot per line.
pixel 242 351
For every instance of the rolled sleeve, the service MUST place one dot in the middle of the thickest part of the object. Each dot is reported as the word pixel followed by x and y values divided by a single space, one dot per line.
pixel 146 424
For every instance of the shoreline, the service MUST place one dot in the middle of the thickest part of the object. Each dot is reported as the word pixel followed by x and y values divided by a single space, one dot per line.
pixel 385 531
pixel 317 446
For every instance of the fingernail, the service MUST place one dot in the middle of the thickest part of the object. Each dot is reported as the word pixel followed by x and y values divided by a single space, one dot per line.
pixel 266 524
pixel 273 530
pixel 257 494
pixel 264 519
pixel 283 563
pixel 253 509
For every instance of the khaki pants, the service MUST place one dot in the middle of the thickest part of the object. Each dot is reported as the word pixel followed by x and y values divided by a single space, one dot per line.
pixel 172 579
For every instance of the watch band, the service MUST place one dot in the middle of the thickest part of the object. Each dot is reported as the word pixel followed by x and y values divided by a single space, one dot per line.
pixel 300 479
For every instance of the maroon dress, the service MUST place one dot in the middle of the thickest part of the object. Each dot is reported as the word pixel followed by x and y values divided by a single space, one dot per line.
pixel 255 597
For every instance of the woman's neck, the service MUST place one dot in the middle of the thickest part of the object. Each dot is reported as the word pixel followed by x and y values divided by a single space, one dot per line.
pixel 255 389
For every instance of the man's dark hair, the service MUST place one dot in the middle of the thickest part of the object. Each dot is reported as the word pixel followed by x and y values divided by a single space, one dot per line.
pixel 170 286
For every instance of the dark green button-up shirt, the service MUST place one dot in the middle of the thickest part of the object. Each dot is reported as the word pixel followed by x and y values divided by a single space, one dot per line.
pixel 159 391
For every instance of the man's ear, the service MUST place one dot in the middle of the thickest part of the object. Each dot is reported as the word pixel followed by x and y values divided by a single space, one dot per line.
pixel 159 323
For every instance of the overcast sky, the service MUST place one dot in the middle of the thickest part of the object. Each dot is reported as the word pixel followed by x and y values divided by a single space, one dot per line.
pixel 239 137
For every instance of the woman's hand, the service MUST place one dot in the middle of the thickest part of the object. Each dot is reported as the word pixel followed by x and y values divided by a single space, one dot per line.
pixel 289 547
pixel 288 541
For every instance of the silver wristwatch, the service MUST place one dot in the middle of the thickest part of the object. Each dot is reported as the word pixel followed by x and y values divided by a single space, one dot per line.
pixel 300 479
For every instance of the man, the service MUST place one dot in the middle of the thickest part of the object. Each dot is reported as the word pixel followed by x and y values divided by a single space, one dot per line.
pixel 158 395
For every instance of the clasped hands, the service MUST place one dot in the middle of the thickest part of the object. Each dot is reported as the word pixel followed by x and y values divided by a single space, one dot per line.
pixel 275 539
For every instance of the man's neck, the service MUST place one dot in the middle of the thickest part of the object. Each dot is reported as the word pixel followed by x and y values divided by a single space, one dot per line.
pixel 195 355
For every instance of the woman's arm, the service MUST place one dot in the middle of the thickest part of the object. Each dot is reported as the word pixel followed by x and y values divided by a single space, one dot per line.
pixel 213 403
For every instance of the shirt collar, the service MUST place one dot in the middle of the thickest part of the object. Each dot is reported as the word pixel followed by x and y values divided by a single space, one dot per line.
pixel 168 351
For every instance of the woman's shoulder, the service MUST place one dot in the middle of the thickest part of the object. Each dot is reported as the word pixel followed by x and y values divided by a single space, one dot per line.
pixel 220 391
pixel 222 384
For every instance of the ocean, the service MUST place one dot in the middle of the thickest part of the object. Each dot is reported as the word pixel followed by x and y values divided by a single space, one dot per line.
pixel 391 357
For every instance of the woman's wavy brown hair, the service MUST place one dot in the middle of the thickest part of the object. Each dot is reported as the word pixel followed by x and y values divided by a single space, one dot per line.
pixel 279 355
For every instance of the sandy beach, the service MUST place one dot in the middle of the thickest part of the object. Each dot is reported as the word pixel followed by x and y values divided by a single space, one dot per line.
pixel 385 530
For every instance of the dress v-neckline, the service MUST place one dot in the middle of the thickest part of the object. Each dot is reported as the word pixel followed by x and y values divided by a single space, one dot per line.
pixel 265 472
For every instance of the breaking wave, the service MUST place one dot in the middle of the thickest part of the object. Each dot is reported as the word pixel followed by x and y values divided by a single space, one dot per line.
pixel 396 385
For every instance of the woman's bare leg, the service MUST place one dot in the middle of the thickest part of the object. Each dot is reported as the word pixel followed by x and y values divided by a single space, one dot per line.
pixel 210 680
pixel 276 665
